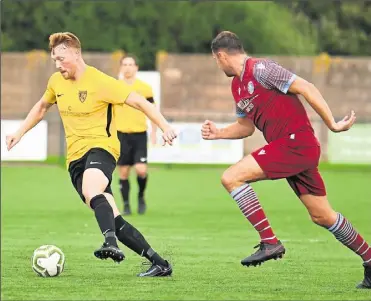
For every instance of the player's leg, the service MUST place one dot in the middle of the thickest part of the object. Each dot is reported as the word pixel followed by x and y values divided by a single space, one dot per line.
pixel 142 178
pixel 124 172
pixel 310 188
pixel 134 240
pixel 236 181
pixel 96 179
pixel 140 161
pixel 279 159
pixel 124 163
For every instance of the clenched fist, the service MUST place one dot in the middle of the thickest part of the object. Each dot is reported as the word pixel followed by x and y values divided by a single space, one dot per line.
pixel 209 130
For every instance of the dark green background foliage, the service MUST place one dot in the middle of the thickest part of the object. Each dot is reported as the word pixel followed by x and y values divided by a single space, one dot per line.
pixel 145 27
pixel 344 27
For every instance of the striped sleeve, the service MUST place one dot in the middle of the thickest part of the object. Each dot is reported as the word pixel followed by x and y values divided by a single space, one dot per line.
pixel 273 76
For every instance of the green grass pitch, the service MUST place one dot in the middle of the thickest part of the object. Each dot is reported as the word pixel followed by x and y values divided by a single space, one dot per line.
pixel 195 224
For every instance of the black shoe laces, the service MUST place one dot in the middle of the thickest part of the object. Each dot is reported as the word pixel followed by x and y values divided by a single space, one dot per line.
pixel 261 247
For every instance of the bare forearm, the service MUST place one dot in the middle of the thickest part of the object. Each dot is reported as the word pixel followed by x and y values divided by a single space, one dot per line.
pixel 33 118
pixel 234 131
pixel 153 127
pixel 318 103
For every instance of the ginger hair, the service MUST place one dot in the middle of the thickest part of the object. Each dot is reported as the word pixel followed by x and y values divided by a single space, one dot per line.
pixel 67 38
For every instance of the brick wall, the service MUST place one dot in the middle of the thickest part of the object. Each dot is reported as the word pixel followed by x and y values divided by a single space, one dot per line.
pixel 192 87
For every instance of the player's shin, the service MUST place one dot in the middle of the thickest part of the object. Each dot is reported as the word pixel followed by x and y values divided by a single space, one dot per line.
pixel 142 182
pixel 344 232
pixel 124 189
pixel 250 207
pixel 105 218
pixel 134 240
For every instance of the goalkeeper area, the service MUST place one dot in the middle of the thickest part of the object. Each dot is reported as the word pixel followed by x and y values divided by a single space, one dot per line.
pixel 201 231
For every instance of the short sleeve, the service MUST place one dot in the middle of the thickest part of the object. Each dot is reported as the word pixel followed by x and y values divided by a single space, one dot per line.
pixel 148 92
pixel 49 94
pixel 115 92
pixel 273 76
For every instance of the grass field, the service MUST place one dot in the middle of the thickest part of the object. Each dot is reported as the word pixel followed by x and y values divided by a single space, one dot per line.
pixel 194 223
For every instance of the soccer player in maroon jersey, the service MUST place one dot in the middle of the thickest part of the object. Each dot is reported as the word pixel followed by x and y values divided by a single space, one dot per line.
pixel 266 98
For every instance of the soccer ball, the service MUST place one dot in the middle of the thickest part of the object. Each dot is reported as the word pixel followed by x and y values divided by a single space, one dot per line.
pixel 48 261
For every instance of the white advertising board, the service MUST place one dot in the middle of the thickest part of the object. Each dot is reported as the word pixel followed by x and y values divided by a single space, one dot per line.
pixel 190 148
pixel 32 147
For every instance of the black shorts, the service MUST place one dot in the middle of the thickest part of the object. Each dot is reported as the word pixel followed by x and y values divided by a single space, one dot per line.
pixel 133 148
pixel 95 158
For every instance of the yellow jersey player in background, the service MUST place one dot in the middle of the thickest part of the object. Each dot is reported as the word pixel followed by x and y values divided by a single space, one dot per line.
pixel 85 96
pixel 132 133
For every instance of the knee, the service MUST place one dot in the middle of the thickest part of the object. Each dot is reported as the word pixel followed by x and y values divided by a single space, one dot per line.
pixel 123 173
pixel 96 201
pixel 228 181
pixel 141 171
pixel 89 194
pixel 325 219
pixel 142 174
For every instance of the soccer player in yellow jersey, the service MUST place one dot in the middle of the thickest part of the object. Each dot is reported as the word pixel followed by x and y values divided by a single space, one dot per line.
pixel 85 96
pixel 132 132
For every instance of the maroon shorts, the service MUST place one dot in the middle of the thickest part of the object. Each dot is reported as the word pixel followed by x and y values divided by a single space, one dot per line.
pixel 295 158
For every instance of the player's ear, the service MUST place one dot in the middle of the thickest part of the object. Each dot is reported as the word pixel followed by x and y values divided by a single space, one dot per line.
pixel 221 55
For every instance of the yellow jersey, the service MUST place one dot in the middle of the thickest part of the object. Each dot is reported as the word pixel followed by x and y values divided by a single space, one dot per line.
pixel 128 119
pixel 85 107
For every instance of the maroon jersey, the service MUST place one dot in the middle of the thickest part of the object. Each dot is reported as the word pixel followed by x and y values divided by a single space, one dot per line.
pixel 261 95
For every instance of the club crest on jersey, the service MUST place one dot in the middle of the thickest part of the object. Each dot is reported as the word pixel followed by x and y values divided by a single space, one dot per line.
pixel 250 87
pixel 83 95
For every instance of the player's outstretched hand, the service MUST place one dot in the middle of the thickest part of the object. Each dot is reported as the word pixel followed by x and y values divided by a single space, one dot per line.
pixel 12 140
pixel 209 130
pixel 168 136
pixel 345 124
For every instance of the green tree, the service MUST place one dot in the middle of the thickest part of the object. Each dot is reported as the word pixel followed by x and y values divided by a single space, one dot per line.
pixel 145 27
pixel 343 28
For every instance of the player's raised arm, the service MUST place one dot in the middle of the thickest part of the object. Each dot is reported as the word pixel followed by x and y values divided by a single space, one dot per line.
pixel 35 115
pixel 315 99
pixel 241 129
pixel 116 93
pixel 273 76
pixel 150 110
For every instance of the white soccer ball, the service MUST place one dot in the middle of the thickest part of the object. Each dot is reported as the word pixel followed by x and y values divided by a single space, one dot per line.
pixel 48 261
